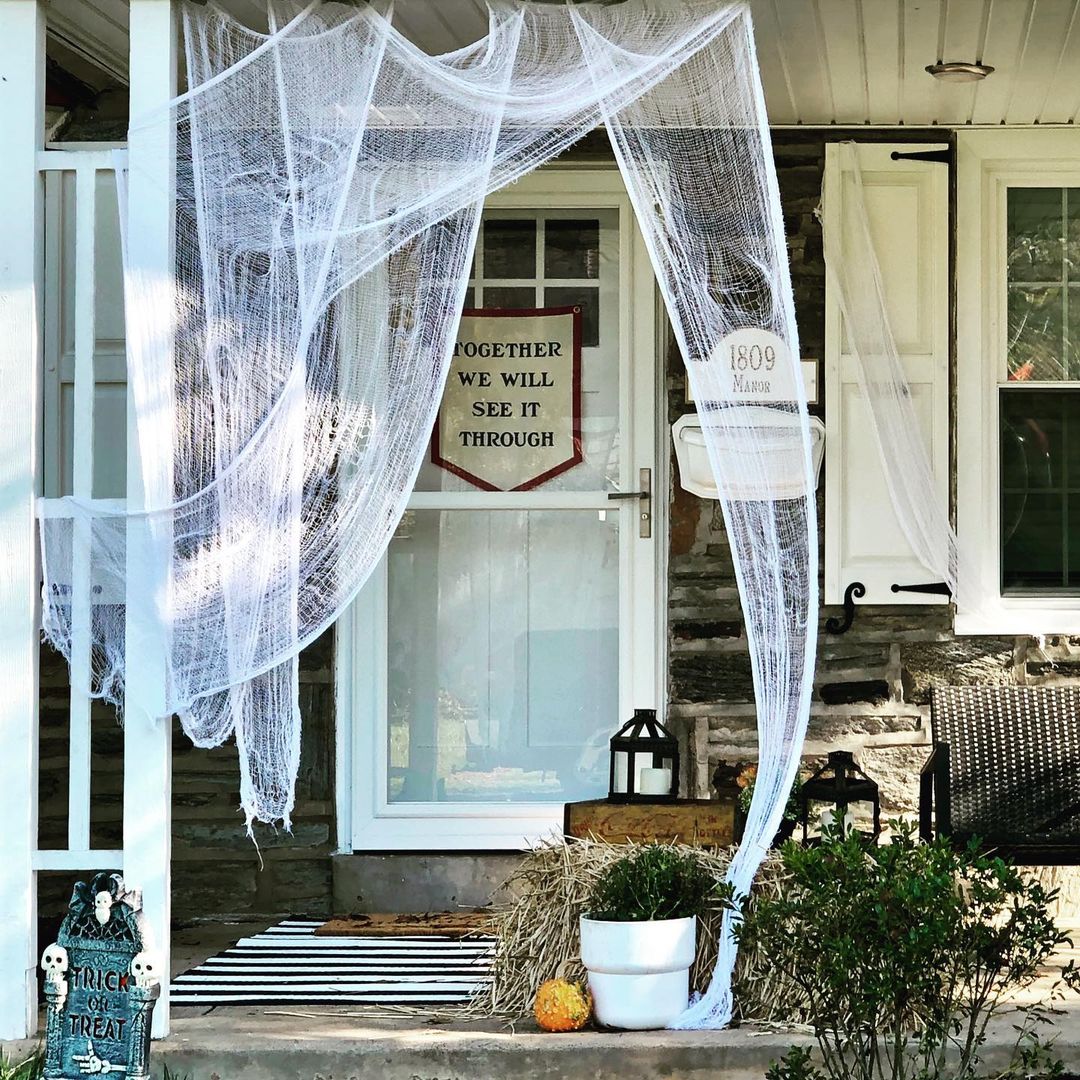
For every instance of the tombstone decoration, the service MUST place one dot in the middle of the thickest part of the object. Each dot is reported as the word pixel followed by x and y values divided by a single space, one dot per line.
pixel 101 982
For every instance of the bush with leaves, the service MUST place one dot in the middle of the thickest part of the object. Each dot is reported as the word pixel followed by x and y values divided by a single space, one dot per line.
pixel 655 882
pixel 904 952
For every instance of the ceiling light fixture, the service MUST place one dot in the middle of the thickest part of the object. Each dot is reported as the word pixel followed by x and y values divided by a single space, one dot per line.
pixel 956 71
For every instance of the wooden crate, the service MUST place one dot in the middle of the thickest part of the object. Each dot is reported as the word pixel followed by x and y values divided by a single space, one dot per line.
pixel 703 822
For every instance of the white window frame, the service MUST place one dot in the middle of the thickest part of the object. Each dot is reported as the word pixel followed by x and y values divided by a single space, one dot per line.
pixel 361 640
pixel 988 164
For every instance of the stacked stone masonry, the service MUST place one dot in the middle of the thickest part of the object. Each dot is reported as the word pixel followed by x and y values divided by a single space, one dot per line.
pixel 872 691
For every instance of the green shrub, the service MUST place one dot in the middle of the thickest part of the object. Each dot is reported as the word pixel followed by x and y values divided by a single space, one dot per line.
pixel 655 882
pixel 904 952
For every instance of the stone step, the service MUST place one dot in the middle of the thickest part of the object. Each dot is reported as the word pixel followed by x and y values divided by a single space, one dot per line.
pixel 328 1043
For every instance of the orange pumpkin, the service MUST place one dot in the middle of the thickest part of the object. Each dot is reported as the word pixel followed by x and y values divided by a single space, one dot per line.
pixel 562 1005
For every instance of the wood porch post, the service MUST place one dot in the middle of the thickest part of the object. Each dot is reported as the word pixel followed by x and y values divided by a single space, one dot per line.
pixel 147 730
pixel 22 131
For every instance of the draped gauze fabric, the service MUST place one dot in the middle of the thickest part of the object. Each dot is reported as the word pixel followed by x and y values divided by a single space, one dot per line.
pixel 854 274
pixel 329 181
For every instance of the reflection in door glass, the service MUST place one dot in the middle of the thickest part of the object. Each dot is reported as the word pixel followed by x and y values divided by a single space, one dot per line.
pixel 503 655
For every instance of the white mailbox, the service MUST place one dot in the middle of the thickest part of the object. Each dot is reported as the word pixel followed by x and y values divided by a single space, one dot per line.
pixel 775 431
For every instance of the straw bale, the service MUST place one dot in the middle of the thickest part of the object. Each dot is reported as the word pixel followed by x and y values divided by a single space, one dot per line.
pixel 537 938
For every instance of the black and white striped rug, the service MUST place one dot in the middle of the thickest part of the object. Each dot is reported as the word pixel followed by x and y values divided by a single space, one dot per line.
pixel 289 965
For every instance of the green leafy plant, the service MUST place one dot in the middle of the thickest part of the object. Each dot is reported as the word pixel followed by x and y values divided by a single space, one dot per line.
pixel 655 882
pixel 746 780
pixel 903 954
pixel 29 1068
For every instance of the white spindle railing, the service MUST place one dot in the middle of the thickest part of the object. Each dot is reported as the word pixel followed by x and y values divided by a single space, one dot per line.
pixel 85 165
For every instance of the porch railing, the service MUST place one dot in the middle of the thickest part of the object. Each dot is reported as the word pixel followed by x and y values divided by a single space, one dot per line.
pixel 85 165
pixel 24 330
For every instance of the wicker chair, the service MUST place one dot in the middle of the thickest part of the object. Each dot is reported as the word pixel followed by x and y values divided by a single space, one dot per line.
pixel 1005 768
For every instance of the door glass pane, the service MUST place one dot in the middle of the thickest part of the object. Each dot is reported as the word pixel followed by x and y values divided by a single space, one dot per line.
pixel 572 248
pixel 503 647
pixel 585 297
pixel 577 255
pixel 509 248
pixel 498 297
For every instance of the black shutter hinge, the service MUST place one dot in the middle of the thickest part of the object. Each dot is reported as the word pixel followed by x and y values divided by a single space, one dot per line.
pixel 942 157
pixel 842 624
pixel 933 588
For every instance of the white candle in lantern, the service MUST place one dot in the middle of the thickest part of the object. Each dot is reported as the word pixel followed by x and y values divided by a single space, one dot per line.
pixel 654 781
pixel 620 773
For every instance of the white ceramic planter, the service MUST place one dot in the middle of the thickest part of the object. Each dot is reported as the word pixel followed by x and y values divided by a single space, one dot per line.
pixel 639 972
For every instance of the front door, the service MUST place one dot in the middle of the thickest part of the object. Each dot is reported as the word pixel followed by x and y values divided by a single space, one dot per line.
pixel 507 633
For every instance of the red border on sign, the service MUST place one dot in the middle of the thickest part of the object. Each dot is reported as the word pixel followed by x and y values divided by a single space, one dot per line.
pixel 578 455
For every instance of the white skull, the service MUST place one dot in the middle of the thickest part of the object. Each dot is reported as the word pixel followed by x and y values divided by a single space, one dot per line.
pixel 54 962
pixel 144 969
pixel 103 907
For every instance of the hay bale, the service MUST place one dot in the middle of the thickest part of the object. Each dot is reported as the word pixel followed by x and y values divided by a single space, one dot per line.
pixel 537 932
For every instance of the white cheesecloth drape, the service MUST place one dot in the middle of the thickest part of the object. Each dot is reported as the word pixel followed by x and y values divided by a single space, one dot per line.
pixel 854 274
pixel 329 183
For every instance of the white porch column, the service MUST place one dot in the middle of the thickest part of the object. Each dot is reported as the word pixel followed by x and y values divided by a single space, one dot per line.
pixel 22 129
pixel 147 734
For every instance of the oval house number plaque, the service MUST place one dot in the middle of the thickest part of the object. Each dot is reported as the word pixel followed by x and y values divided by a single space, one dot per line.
pixel 751 365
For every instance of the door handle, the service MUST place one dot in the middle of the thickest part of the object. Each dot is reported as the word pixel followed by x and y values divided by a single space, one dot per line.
pixel 644 497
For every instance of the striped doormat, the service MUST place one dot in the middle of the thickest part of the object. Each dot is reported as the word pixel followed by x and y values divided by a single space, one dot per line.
pixel 289 964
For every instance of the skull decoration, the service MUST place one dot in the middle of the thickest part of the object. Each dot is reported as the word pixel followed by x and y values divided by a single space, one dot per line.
pixel 54 962
pixel 103 903
pixel 144 969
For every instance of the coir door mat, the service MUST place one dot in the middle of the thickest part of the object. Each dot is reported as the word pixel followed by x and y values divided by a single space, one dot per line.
pixel 450 924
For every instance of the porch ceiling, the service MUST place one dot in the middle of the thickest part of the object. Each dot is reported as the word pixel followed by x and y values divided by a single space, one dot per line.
pixel 822 61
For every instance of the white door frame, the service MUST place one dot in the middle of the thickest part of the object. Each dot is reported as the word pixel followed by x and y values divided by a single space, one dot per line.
pixel 366 821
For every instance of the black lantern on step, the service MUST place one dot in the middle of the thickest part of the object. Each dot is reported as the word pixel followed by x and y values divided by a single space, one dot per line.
pixel 644 761
pixel 841 784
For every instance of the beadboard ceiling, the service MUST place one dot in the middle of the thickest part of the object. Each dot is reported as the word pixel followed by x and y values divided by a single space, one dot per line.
pixel 822 61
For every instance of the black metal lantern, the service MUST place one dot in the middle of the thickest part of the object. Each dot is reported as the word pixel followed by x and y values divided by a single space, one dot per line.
pixel 840 783
pixel 644 761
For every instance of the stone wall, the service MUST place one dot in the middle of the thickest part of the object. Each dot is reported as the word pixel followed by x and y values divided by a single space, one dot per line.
pixel 872 691
pixel 217 869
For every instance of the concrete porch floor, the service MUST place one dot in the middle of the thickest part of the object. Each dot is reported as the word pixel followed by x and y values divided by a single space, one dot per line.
pixel 352 1043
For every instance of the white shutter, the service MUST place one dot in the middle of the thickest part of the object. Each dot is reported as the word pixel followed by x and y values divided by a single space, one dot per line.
pixel 907 203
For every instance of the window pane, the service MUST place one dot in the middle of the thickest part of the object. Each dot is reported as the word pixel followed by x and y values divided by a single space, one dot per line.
pixel 588 299
pixel 572 248
pixel 1036 334
pixel 1032 554
pixel 1035 233
pixel 1040 489
pixel 1032 441
pixel 503 647
pixel 510 248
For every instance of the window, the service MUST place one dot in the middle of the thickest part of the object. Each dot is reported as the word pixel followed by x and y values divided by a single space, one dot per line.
pixel 1039 429
pixel 1018 379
